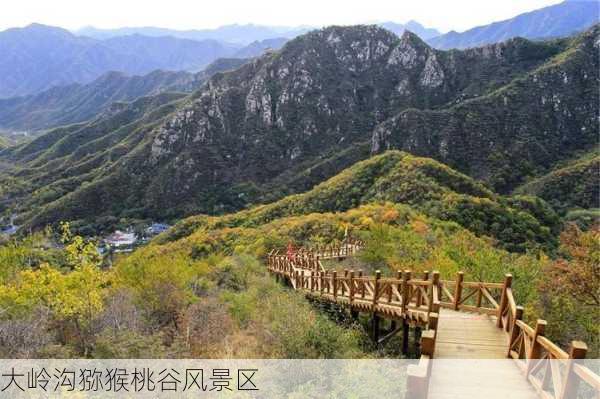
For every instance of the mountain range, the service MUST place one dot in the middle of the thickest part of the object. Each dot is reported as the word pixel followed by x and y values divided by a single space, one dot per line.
pixel 283 122
pixel 234 34
pixel 243 34
pixel 74 103
pixel 39 57
pixel 561 19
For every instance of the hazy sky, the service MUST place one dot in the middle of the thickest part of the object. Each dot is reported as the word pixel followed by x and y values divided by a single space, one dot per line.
pixel 189 14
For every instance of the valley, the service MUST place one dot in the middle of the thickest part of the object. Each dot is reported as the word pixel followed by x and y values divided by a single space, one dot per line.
pixel 296 192
pixel 174 155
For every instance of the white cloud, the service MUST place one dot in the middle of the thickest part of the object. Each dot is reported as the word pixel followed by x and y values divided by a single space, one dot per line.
pixel 189 14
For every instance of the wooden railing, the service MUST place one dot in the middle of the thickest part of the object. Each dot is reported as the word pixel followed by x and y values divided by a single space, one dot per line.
pixel 417 382
pixel 348 247
pixel 558 378
pixel 419 300
pixel 393 297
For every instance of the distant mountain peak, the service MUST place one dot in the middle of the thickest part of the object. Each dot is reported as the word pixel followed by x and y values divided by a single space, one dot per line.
pixel 37 25
pixel 41 29
pixel 413 26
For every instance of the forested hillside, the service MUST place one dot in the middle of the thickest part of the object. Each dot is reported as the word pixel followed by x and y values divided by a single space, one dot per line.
pixel 573 184
pixel 518 223
pixel 521 129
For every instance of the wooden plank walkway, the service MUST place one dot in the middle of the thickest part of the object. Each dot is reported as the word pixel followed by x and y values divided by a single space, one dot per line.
pixel 474 337
pixel 481 348
pixel 466 335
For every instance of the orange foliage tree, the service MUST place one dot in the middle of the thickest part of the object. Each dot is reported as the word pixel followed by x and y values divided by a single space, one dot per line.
pixel 570 288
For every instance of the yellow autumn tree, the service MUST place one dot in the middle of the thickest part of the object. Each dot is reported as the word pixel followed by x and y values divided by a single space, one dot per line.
pixel 74 298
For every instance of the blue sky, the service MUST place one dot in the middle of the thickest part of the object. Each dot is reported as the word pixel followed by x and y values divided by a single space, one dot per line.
pixel 189 14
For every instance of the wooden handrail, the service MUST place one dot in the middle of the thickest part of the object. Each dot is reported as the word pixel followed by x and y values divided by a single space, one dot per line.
pixel 525 328
pixel 511 301
pixel 554 350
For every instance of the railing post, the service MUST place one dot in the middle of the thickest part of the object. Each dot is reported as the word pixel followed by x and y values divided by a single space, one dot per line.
pixel 362 284
pixel 351 293
pixel 405 291
pixel 399 284
pixel 435 280
pixel 376 287
pixel 345 278
pixel 419 299
pixel 296 279
pixel 514 332
pixel 321 285
pixel 428 343
pixel 334 283
pixel 302 279
pixel 432 321
pixel 417 381
pixel 535 350
pixel 458 289
pixel 504 298
pixel 577 351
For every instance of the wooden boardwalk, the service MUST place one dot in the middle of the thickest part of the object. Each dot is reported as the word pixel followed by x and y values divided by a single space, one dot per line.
pixel 475 337
pixel 470 326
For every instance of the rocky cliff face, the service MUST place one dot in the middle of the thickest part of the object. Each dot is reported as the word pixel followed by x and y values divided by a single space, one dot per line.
pixel 285 116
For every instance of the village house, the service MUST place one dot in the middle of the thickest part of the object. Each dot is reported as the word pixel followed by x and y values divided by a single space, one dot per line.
pixel 157 228
pixel 121 241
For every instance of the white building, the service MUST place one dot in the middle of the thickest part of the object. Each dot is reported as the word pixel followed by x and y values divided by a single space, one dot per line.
pixel 120 240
